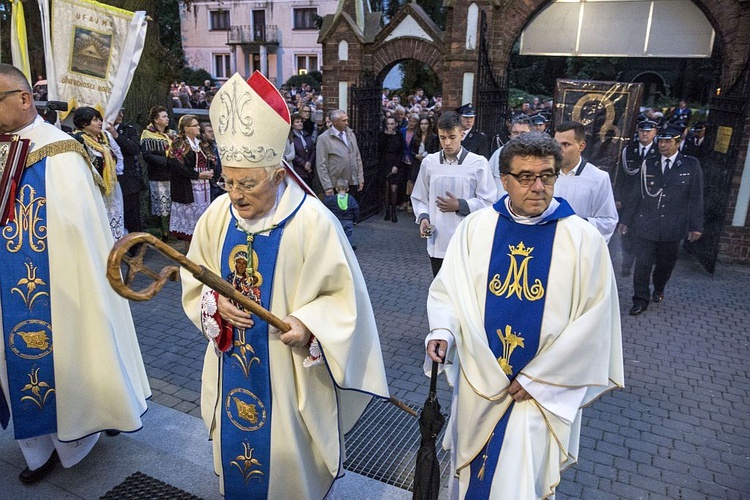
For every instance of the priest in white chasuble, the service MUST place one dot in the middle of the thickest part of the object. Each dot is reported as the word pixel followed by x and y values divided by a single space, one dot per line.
pixel 525 313
pixel 70 364
pixel 277 405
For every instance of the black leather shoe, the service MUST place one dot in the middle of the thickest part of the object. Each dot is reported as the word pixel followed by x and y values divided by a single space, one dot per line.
pixel 32 476
pixel 394 218
pixel 657 297
pixel 637 309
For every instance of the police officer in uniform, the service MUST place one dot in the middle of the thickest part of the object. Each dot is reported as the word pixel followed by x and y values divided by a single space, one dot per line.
pixel 539 123
pixel 633 156
pixel 696 144
pixel 666 207
pixel 474 140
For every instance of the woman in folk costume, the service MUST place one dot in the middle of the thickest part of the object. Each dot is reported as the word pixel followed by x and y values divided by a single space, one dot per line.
pixel 155 140
pixel 106 157
pixel 277 421
pixel 190 186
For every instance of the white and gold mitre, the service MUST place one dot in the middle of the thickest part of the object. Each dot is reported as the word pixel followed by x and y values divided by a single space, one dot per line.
pixel 251 122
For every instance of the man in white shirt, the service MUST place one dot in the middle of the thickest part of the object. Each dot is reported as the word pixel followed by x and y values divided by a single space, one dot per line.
pixel 451 184
pixel 585 187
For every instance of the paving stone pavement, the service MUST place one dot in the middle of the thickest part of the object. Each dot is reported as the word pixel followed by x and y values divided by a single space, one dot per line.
pixel 679 429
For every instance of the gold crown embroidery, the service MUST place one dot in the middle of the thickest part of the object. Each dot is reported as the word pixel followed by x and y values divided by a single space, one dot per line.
pixel 517 278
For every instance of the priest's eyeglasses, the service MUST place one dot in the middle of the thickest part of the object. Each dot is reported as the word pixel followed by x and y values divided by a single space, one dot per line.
pixel 526 179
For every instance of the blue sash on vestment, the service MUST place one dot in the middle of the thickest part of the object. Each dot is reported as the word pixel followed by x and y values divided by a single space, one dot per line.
pixel 514 308
pixel 245 369
pixel 27 322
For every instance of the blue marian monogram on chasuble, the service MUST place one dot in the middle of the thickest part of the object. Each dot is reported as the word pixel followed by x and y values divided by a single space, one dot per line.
pixel 248 262
pixel 25 296
pixel 514 306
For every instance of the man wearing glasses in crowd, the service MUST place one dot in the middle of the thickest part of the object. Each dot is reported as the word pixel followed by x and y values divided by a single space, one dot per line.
pixel 525 314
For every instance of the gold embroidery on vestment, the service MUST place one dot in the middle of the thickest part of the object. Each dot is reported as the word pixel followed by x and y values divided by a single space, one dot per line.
pixel 510 341
pixel 242 353
pixel 248 469
pixel 31 282
pixel 27 224
pixel 245 410
pixel 65 146
pixel 31 339
pixel 517 278
pixel 36 386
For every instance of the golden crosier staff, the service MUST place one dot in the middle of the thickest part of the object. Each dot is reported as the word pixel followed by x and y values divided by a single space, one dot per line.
pixel 121 285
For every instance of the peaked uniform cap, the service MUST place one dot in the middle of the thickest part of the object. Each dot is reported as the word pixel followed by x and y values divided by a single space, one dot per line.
pixel 466 110
pixel 251 122
pixel 647 124
pixel 669 133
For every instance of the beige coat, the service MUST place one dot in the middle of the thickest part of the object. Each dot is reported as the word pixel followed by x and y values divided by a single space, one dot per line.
pixel 335 160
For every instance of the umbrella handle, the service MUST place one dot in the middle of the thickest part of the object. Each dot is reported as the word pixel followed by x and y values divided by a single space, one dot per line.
pixel 118 254
pixel 433 380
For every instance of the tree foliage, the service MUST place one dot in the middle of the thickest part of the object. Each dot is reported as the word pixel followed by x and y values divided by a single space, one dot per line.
pixel 314 79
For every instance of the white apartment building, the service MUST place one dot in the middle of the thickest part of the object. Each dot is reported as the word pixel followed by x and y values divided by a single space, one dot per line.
pixel 276 37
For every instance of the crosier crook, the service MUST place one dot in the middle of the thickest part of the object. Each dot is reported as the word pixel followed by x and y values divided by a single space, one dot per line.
pixel 121 285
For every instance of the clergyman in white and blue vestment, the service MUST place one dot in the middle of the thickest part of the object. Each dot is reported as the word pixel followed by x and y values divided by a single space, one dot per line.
pixel 526 315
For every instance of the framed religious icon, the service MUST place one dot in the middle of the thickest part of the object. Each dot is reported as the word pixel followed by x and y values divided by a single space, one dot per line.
pixel 13 151
pixel 607 110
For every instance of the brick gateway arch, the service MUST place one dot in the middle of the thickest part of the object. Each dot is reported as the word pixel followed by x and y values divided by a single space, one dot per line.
pixel 356 51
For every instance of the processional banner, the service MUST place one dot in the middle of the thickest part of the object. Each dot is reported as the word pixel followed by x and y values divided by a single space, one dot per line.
pixel 607 110
pixel 91 51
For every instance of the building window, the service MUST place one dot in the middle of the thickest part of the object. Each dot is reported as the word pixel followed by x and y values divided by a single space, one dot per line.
pixel 218 20
pixel 305 18
pixel 222 66
pixel 306 63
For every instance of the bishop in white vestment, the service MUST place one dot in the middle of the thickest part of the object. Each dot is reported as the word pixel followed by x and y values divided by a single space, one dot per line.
pixel 277 405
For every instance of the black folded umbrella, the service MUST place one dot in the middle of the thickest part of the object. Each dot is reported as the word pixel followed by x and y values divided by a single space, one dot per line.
pixel 431 421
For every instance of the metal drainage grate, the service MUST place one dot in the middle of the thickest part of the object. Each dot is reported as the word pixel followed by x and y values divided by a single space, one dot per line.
pixel 384 443
pixel 139 486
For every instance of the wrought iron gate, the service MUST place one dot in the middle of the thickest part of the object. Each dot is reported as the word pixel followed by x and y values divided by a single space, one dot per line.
pixel 726 116
pixel 492 92
pixel 364 119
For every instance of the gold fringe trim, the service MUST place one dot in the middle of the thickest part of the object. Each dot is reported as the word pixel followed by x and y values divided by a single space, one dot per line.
pixel 65 146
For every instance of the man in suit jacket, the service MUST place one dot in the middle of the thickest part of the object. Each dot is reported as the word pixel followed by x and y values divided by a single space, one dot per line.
pixel 337 155
pixel 696 144
pixel 633 157
pixel 666 206
pixel 473 140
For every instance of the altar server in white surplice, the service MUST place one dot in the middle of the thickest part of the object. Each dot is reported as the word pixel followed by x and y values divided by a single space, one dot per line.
pixel 584 186
pixel 451 184
pixel 277 405
pixel 70 365
pixel 525 312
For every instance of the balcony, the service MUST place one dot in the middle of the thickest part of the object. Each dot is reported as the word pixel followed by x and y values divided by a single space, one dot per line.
pixel 245 35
